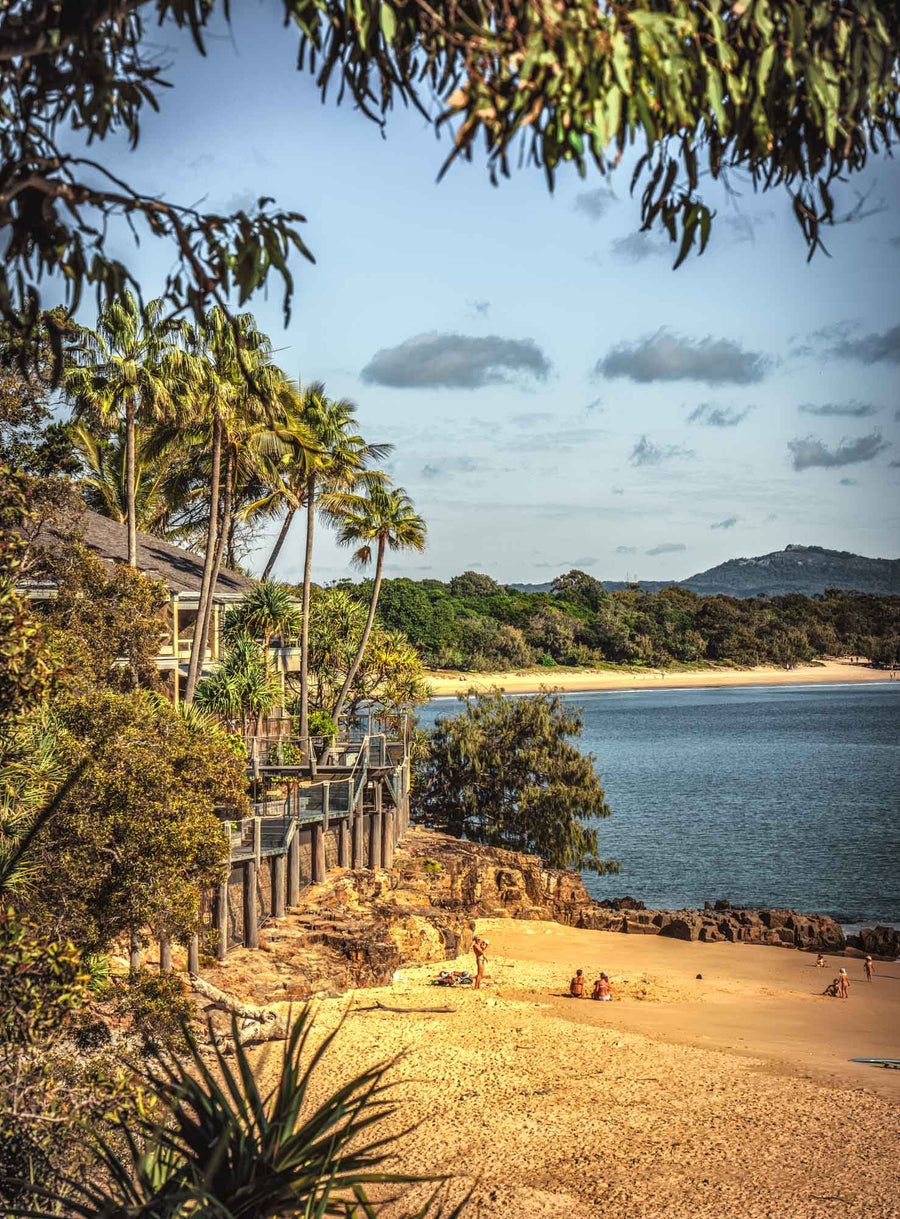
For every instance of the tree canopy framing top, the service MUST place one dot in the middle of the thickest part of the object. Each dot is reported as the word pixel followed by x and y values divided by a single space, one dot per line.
pixel 790 93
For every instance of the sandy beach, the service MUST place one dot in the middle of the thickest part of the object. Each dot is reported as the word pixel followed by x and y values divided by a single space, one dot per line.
pixel 726 1094
pixel 445 682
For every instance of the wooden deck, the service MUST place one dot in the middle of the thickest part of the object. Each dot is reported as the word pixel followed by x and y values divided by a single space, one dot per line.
pixel 315 805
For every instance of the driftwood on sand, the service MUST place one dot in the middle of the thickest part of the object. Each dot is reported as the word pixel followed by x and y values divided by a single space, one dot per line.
pixel 257 1023
pixel 383 1007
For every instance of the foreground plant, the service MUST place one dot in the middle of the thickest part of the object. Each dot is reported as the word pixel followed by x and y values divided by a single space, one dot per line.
pixel 223 1148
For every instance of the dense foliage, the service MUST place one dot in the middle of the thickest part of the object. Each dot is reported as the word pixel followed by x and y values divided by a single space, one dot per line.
pixel 791 93
pixel 473 623
pixel 505 772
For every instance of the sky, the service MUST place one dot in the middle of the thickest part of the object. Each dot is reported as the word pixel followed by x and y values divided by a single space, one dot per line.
pixel 558 396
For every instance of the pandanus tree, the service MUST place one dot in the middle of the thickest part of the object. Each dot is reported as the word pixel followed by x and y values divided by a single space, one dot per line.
pixel 268 609
pixel 383 519
pixel 121 374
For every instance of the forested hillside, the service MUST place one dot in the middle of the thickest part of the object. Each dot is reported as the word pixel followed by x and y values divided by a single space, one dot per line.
pixel 796 569
pixel 473 623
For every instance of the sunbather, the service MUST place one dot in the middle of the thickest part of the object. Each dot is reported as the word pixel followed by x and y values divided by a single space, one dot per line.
pixel 576 986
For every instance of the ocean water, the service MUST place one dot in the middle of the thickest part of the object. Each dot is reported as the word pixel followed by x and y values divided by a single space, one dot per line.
pixel 766 796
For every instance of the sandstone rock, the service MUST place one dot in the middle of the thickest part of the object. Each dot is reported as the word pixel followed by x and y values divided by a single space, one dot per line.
pixel 681 929
pixel 878 941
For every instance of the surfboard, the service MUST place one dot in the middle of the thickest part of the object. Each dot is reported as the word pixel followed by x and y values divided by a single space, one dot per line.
pixel 881 1062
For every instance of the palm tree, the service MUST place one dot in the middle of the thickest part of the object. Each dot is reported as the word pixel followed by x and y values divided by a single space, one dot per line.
pixel 386 518
pixel 119 374
pixel 338 467
pixel 103 479
pixel 239 395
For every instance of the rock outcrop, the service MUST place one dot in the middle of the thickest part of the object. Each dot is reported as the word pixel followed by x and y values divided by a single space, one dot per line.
pixel 876 941
pixel 358 928
pixel 779 928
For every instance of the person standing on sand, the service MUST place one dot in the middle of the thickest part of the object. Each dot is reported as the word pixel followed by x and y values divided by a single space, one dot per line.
pixel 478 947
pixel 869 967
pixel 844 986
pixel 576 986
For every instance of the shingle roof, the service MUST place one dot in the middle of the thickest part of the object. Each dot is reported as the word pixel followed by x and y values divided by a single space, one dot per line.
pixel 182 570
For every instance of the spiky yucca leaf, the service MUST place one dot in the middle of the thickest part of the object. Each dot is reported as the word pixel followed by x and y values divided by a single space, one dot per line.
pixel 225 1150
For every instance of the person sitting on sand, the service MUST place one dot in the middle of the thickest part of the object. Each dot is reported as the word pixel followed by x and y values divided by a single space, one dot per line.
pixel 602 989
pixel 869 967
pixel 479 947
pixel 820 962
pixel 833 988
pixel 576 986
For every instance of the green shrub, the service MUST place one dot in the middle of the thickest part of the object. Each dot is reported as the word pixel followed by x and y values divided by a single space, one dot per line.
pixel 42 981
pixel 159 1007
pixel 322 724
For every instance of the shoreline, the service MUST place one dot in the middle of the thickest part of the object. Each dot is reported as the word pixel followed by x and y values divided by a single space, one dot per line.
pixel 447 683
pixel 718 1081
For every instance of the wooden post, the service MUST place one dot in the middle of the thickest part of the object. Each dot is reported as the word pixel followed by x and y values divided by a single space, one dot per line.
pixel 293 878
pixel 251 923
pixel 278 885
pixel 376 859
pixel 193 961
pixel 221 916
pixel 165 954
pixel 344 843
pixel 257 840
pixel 358 837
pixel 387 838
pixel 326 803
pixel 318 853
pixel 134 951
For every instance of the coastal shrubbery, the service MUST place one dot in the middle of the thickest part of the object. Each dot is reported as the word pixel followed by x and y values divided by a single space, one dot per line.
pixel 506 773
pixel 476 625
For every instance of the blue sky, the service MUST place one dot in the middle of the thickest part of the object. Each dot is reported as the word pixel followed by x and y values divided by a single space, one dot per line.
pixel 558 395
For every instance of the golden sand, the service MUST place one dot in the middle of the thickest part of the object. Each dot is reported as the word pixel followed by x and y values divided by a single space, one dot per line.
pixel 445 682
pixel 725 1096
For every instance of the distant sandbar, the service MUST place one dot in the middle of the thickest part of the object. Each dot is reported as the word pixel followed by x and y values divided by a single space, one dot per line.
pixel 447 682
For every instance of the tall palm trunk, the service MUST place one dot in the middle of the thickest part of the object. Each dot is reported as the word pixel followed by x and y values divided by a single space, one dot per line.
pixel 130 480
pixel 370 621
pixel 199 641
pixel 304 625
pixel 276 549
pixel 225 523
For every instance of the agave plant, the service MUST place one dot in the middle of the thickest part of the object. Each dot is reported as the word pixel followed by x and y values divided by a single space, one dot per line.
pixel 214 1145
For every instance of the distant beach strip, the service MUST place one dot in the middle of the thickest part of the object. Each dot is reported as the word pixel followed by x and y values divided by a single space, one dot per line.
pixel 836 672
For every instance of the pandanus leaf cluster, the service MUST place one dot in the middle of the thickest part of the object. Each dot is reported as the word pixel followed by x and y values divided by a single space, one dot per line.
pixel 215 1144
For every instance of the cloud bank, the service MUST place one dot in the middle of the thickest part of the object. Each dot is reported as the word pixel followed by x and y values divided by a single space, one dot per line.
pixel 665 356
pixel 707 414
pixel 728 523
pixel 839 410
pixel 872 348
pixel 808 451
pixel 594 203
pixel 648 453
pixel 667 548
pixel 455 361
pixel 636 247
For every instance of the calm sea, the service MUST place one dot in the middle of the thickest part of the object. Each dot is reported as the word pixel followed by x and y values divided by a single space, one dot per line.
pixel 766 796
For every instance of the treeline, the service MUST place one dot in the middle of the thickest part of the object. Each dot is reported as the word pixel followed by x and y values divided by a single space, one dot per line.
pixel 474 624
